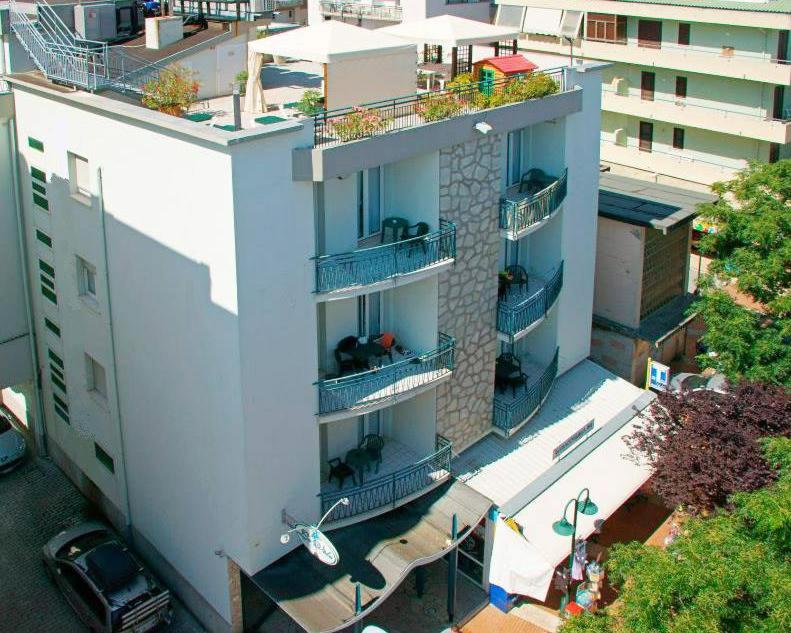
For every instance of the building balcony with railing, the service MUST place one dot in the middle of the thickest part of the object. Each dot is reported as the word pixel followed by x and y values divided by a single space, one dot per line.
pixel 386 265
pixel 379 11
pixel 379 474
pixel 532 202
pixel 394 375
pixel 517 402
pixel 523 305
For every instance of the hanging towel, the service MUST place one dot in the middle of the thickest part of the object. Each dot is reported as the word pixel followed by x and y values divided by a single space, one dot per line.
pixel 516 565
pixel 580 558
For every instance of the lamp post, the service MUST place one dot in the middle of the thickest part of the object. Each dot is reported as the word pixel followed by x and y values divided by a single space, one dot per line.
pixel 564 528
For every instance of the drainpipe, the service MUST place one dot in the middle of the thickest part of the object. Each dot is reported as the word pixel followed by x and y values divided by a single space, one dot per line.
pixel 39 431
pixel 124 484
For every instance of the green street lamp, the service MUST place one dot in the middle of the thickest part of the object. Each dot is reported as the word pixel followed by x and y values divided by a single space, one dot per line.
pixel 565 528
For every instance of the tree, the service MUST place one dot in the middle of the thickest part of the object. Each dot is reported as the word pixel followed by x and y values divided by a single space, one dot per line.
pixel 753 247
pixel 704 446
pixel 727 572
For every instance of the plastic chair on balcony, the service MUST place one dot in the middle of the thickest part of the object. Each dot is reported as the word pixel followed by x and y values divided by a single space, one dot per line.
pixel 373 445
pixel 416 230
pixel 533 181
pixel 517 276
pixel 346 362
pixel 508 372
pixel 341 471
pixel 396 226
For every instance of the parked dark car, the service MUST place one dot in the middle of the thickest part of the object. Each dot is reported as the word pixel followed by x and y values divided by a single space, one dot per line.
pixel 12 445
pixel 104 582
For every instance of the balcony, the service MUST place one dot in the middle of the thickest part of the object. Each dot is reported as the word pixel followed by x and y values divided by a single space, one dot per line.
pixel 519 311
pixel 348 274
pixel 368 10
pixel 513 410
pixel 406 376
pixel 523 213
pixel 403 476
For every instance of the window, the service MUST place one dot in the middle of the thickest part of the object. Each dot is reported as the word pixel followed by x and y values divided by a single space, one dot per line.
pixel 104 457
pixel 82 590
pixel 96 377
pixel 86 279
pixel 35 143
pixel 43 238
pixel 647 83
pixel 649 33
pixel 52 327
pixel 774 152
pixel 681 87
pixel 683 34
pixel 606 28
pixel 678 137
pixel 61 408
pixel 38 183
pixel 782 46
pixel 646 136
pixel 79 176
pixel 778 102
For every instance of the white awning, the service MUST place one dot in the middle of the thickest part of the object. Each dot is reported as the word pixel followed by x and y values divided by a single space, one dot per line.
pixel 542 21
pixel 509 15
pixel 328 41
pixel 611 477
pixel 450 31
pixel 570 24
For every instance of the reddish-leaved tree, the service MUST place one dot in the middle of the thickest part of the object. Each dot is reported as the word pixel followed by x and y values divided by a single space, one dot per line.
pixel 703 445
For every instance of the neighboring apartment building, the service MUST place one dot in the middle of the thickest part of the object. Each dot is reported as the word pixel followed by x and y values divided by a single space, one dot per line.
pixel 640 306
pixel 206 300
pixel 696 88
pixel 377 13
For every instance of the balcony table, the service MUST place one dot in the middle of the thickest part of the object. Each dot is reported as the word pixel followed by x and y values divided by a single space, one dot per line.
pixel 360 460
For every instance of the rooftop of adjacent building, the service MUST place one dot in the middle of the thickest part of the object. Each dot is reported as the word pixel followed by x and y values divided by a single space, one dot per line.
pixel 766 6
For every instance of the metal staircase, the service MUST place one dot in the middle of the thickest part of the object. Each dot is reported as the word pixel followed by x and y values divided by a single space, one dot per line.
pixel 65 58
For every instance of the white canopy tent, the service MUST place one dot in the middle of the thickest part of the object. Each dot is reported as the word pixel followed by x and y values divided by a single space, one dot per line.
pixel 450 31
pixel 330 42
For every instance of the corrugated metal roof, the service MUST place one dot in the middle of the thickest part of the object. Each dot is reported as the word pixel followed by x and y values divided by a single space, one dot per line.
pixel 770 6
pixel 502 469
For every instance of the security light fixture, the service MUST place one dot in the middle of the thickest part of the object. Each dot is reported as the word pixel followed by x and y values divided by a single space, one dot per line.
pixel 483 127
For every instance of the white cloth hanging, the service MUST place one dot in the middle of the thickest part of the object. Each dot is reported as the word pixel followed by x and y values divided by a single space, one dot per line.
pixel 517 566
pixel 254 100
pixel 580 559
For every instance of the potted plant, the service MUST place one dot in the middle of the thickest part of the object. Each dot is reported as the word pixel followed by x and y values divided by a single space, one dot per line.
pixel 172 92
pixel 435 107
pixel 310 103
pixel 359 123
pixel 241 79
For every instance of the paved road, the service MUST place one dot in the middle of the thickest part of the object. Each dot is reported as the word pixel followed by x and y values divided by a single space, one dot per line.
pixel 36 502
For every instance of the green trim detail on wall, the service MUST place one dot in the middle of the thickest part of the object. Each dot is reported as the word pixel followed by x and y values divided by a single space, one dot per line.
pixel 60 402
pixel 55 358
pixel 43 238
pixel 64 416
pixel 49 294
pixel 35 143
pixel 47 281
pixel 38 174
pixel 38 187
pixel 47 268
pixel 41 201
pixel 52 328
pixel 57 382
pixel 104 457
pixel 57 372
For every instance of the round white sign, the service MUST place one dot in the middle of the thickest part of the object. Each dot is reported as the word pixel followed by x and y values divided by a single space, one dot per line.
pixel 317 543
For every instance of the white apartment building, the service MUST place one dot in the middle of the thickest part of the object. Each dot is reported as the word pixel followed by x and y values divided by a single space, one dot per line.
pixel 695 88
pixel 205 300
pixel 378 13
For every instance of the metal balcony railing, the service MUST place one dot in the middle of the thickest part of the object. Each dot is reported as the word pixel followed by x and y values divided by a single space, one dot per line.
pixel 371 11
pixel 513 318
pixel 389 490
pixel 367 266
pixel 510 413
pixel 385 383
pixel 392 115
pixel 517 215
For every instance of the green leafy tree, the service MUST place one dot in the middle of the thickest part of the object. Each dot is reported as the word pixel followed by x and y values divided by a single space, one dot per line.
pixel 729 572
pixel 753 247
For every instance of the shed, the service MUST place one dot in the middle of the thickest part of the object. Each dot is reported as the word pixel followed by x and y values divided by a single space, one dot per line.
pixel 501 67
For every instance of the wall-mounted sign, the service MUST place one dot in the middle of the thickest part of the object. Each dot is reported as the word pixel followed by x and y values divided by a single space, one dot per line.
pixel 572 439
pixel 658 375
pixel 317 543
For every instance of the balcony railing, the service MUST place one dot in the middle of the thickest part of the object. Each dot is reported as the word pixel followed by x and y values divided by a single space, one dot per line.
pixel 390 490
pixel 385 383
pixel 509 414
pixel 401 113
pixel 513 318
pixel 517 215
pixel 368 266
pixel 372 11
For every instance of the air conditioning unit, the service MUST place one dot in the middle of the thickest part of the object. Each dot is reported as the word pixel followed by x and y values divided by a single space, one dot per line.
pixel 620 137
pixel 620 86
pixel 95 21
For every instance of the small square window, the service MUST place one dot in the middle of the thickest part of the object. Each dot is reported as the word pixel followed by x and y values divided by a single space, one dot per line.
pixel 96 377
pixel 86 278
pixel 79 176
pixel 678 137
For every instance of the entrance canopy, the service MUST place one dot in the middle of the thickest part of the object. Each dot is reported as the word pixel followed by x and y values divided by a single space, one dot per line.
pixel 330 41
pixel 377 553
pixel 450 31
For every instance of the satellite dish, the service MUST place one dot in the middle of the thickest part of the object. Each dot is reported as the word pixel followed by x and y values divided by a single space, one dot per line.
pixel 314 540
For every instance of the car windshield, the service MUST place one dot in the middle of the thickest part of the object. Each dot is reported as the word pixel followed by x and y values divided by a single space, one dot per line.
pixel 111 566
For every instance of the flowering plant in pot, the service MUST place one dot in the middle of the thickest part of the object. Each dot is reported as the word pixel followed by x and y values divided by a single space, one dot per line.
pixel 172 92
pixel 435 107
pixel 359 123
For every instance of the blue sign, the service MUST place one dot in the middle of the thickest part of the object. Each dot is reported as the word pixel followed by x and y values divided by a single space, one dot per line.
pixel 658 375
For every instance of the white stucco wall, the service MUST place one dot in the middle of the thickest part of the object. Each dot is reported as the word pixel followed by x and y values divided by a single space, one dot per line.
pixel 619 271
pixel 361 80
